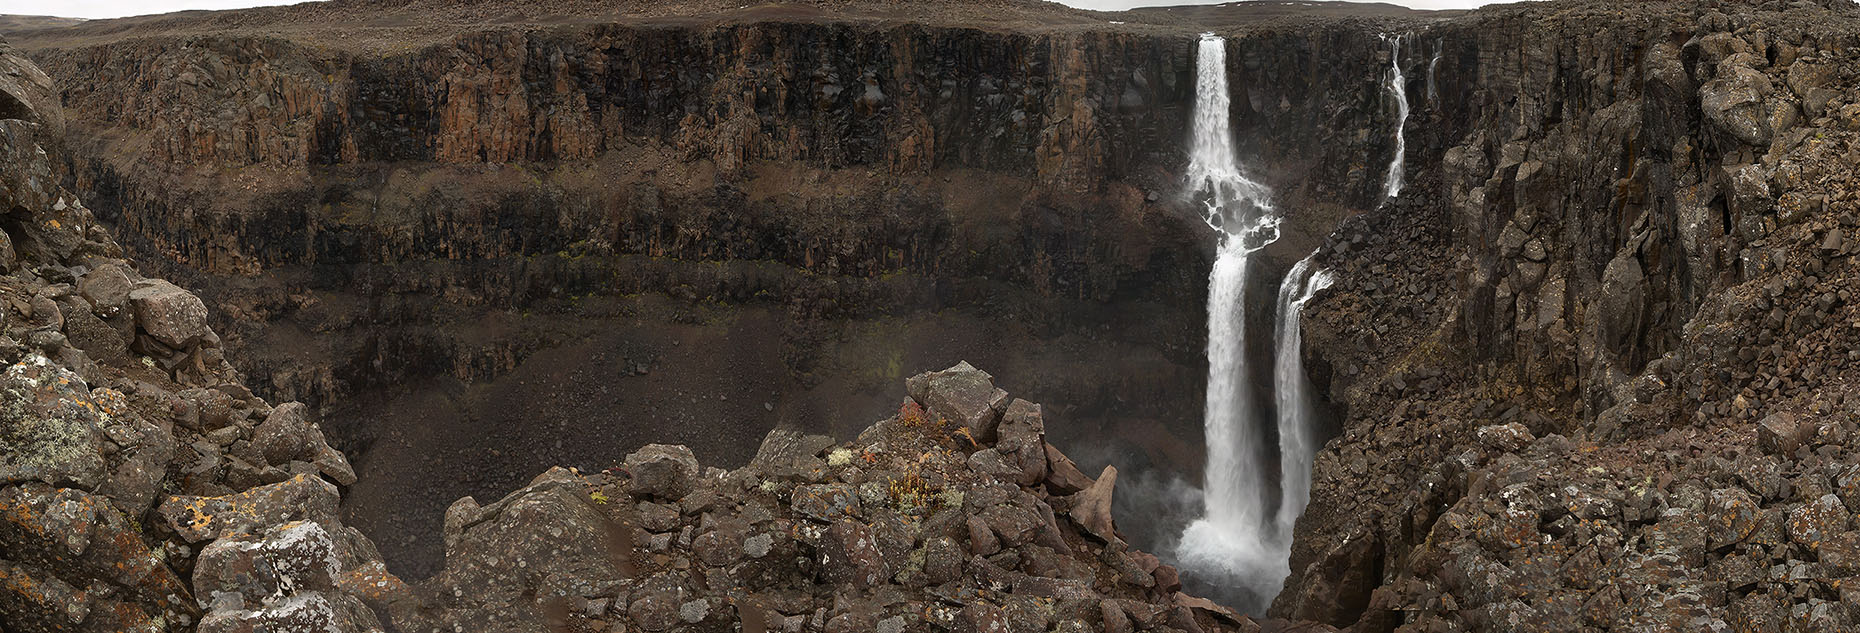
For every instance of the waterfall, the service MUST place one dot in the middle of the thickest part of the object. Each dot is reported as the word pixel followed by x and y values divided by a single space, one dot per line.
pixel 1232 545
pixel 1433 93
pixel 1397 86
pixel 1297 438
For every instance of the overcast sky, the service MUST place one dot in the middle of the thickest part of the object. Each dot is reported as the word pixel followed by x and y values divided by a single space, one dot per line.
pixel 120 8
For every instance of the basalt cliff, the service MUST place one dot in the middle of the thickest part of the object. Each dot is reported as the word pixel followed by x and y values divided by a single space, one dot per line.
pixel 1591 369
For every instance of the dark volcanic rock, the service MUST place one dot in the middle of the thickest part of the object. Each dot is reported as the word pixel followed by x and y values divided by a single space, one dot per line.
pixel 877 547
pixel 99 432
pixel 1587 365
pixel 961 394
pixel 663 471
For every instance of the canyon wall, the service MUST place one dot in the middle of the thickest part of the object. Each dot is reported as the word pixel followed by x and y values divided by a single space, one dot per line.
pixel 1594 367
pixel 1588 370
pixel 555 243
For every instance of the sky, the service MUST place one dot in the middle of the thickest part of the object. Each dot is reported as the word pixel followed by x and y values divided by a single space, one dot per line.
pixel 121 8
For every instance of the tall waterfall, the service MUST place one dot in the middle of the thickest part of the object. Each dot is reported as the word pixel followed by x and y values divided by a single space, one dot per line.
pixel 1398 85
pixel 1233 544
pixel 1297 437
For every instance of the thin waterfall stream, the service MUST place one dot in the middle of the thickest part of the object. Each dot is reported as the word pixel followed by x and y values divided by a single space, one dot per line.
pixel 1398 86
pixel 1292 393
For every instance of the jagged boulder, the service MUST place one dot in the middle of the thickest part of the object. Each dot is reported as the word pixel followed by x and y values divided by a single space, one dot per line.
pixel 512 563
pixel 170 314
pixel 28 94
pixel 1023 441
pixel 286 579
pixel 283 436
pixel 1734 101
pixel 1091 507
pixel 962 394
pixel 666 471
pixel 788 453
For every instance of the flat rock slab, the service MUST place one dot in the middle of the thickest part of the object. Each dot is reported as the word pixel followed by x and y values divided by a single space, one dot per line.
pixel 300 498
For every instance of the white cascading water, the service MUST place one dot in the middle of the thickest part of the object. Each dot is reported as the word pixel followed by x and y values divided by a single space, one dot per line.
pixel 1398 85
pixel 1297 433
pixel 1433 93
pixel 1233 543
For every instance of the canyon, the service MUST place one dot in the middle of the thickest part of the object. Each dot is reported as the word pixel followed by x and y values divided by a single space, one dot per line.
pixel 1552 333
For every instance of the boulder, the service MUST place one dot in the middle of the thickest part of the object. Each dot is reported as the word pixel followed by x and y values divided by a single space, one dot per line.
pixel 942 560
pixel 962 394
pixel 329 461
pixel 982 540
pixel 1778 434
pixel 849 554
pixel 788 453
pixel 1015 525
pixel 981 617
pixel 1734 103
pixel 1841 554
pixel 283 435
pixel 1062 476
pixel 825 502
pixel 1505 438
pixel 170 314
pixel 283 559
pixel 50 430
pixel 300 498
pixel 1734 515
pixel 1623 302
pixel 1091 508
pixel 305 612
pixel 107 288
pixel 1023 441
pixel 654 610
pixel 29 94
pixel 1818 521
pixel 661 470
pixel 507 561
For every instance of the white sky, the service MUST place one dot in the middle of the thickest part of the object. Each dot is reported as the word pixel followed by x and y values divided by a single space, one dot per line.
pixel 120 8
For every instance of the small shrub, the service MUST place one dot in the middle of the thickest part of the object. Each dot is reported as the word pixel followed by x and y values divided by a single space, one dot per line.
pixel 908 491
pixel 912 414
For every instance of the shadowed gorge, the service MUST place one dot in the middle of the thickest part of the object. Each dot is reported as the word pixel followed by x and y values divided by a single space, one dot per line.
pixel 698 316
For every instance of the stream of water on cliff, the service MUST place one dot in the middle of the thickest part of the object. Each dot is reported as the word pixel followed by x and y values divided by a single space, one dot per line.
pixel 1398 86
pixel 1433 92
pixel 1234 544
pixel 1292 394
